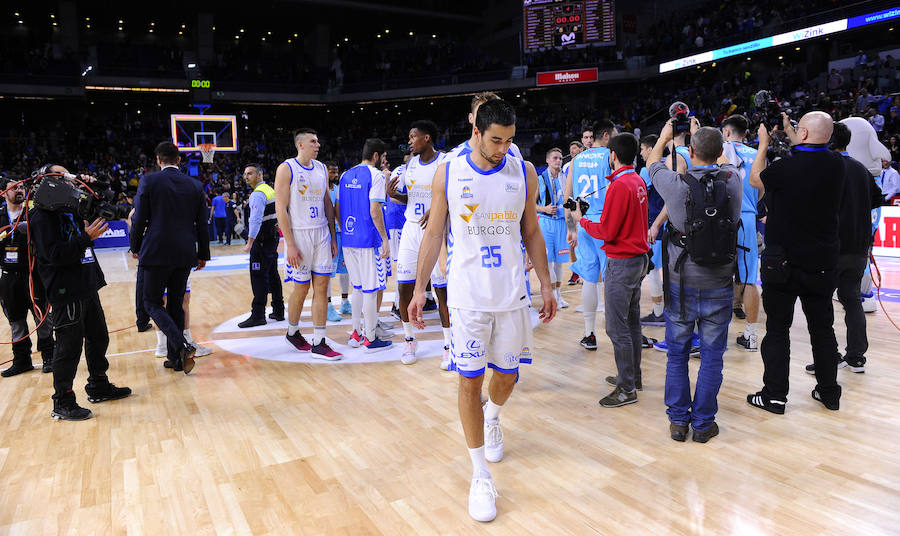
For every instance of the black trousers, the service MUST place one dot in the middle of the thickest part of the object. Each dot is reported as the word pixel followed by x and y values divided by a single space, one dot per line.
pixel 264 276
pixel 169 319
pixel 220 229
pixel 815 291
pixel 142 317
pixel 229 230
pixel 850 271
pixel 15 298
pixel 76 323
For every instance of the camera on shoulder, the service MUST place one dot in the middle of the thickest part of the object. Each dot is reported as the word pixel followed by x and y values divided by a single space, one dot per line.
pixel 55 192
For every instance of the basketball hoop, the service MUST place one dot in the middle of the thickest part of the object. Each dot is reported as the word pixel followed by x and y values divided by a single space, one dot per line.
pixel 208 150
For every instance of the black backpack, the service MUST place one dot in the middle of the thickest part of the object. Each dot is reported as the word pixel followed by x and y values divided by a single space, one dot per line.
pixel 710 233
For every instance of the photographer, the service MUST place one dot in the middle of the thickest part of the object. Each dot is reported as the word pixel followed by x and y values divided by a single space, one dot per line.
pixel 70 272
pixel 801 256
pixel 15 294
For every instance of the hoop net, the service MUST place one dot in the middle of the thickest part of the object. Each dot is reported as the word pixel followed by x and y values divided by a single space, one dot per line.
pixel 208 150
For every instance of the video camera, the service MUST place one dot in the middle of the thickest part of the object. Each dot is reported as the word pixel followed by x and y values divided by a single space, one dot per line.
pixel 682 122
pixel 582 204
pixel 768 112
pixel 55 192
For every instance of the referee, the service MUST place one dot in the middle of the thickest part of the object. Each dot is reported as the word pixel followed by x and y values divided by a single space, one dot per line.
pixel 262 244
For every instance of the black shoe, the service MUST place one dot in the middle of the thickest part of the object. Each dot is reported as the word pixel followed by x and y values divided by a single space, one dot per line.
pixel 574 279
pixel 678 432
pixel 187 358
pixel 648 342
pixel 761 401
pixel 855 364
pixel 653 319
pixel 618 398
pixel 144 327
pixel 69 410
pixel 47 366
pixel 613 380
pixel 811 368
pixel 174 365
pixel 251 322
pixel 589 342
pixel 396 313
pixel 430 305
pixel 702 436
pixel 277 315
pixel 101 392
pixel 17 369
pixel 833 405
pixel 739 312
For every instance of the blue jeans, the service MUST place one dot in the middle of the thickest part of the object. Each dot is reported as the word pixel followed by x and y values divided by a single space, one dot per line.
pixel 711 310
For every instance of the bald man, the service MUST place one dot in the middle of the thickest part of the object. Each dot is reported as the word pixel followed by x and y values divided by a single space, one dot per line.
pixel 801 256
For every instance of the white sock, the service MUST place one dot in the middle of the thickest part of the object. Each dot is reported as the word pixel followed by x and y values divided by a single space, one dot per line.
pixel 556 294
pixel 446 336
pixel 345 283
pixel 600 295
pixel 429 295
pixel 589 297
pixel 356 305
pixel 658 308
pixel 160 338
pixel 187 336
pixel 407 330
pixel 318 334
pixel 750 330
pixel 293 329
pixel 479 463
pixel 370 314
pixel 492 410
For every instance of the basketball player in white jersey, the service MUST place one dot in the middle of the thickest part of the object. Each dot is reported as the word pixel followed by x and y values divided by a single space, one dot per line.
pixel 306 218
pixel 488 198
pixel 467 146
pixel 413 187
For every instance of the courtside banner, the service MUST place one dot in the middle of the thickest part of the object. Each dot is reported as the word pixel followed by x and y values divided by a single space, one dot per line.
pixel 114 237
pixel 572 76
pixel 887 239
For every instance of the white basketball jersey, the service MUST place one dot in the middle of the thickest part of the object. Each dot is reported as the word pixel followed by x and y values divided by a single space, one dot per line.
pixel 417 179
pixel 485 269
pixel 309 186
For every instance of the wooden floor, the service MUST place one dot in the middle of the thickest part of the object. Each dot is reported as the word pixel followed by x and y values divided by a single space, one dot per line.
pixel 250 446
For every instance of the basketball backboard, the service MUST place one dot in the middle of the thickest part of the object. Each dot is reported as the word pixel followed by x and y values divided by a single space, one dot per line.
pixel 189 131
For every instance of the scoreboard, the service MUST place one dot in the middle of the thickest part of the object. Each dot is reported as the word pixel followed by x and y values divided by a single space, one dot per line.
pixel 563 23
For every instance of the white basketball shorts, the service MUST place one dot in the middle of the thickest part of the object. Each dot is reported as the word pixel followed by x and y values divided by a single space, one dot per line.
pixel 408 257
pixel 315 255
pixel 483 339
pixel 368 271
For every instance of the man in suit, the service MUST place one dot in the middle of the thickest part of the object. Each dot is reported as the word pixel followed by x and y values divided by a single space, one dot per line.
pixel 169 218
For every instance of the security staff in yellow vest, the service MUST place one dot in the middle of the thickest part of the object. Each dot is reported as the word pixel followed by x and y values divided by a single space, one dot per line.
pixel 262 244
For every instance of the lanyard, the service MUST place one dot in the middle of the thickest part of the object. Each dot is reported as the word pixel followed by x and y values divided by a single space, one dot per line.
pixel 806 149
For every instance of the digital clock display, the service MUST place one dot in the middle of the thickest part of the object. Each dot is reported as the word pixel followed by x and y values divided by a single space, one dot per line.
pixel 563 23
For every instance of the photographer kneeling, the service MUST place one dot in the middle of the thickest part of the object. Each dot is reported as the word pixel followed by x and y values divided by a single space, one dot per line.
pixel 801 256
pixel 70 272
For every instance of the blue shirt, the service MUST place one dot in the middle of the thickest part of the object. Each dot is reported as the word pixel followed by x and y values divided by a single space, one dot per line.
pixel 685 153
pixel 257 202
pixel 655 201
pixel 589 171
pixel 333 192
pixel 751 194
pixel 360 186
pixel 218 207
pixel 556 194
pixel 394 215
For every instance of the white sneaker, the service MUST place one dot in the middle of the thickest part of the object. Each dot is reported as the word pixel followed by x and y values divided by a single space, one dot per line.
pixel 445 361
pixel 409 352
pixel 481 499
pixel 201 350
pixel 561 303
pixel 385 325
pixel 382 333
pixel 493 441
pixel 600 308
pixel 161 351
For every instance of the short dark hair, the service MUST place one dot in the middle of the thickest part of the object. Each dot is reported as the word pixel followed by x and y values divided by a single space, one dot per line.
pixel 553 150
pixel 301 131
pixel 738 123
pixel 258 167
pixel 372 146
pixel 588 128
pixel 840 136
pixel 649 140
pixel 167 152
pixel 481 98
pixel 494 112
pixel 426 127
pixel 576 143
pixel 601 127
pixel 707 143
pixel 331 163
pixel 625 146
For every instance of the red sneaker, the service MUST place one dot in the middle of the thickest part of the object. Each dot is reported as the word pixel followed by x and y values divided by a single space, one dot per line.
pixel 323 351
pixel 299 342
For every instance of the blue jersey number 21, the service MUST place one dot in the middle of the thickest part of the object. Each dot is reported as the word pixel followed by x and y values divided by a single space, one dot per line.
pixel 490 257
pixel 420 209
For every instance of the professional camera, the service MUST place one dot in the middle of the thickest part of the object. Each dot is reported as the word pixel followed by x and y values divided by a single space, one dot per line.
pixel 679 112
pixel 582 204
pixel 56 193
pixel 768 112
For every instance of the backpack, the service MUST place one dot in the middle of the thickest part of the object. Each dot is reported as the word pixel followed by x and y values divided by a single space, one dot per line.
pixel 710 236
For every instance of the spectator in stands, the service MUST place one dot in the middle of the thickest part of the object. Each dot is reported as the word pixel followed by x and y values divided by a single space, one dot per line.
pixel 890 181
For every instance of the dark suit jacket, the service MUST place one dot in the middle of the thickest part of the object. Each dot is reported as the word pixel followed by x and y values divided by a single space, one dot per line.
pixel 169 223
